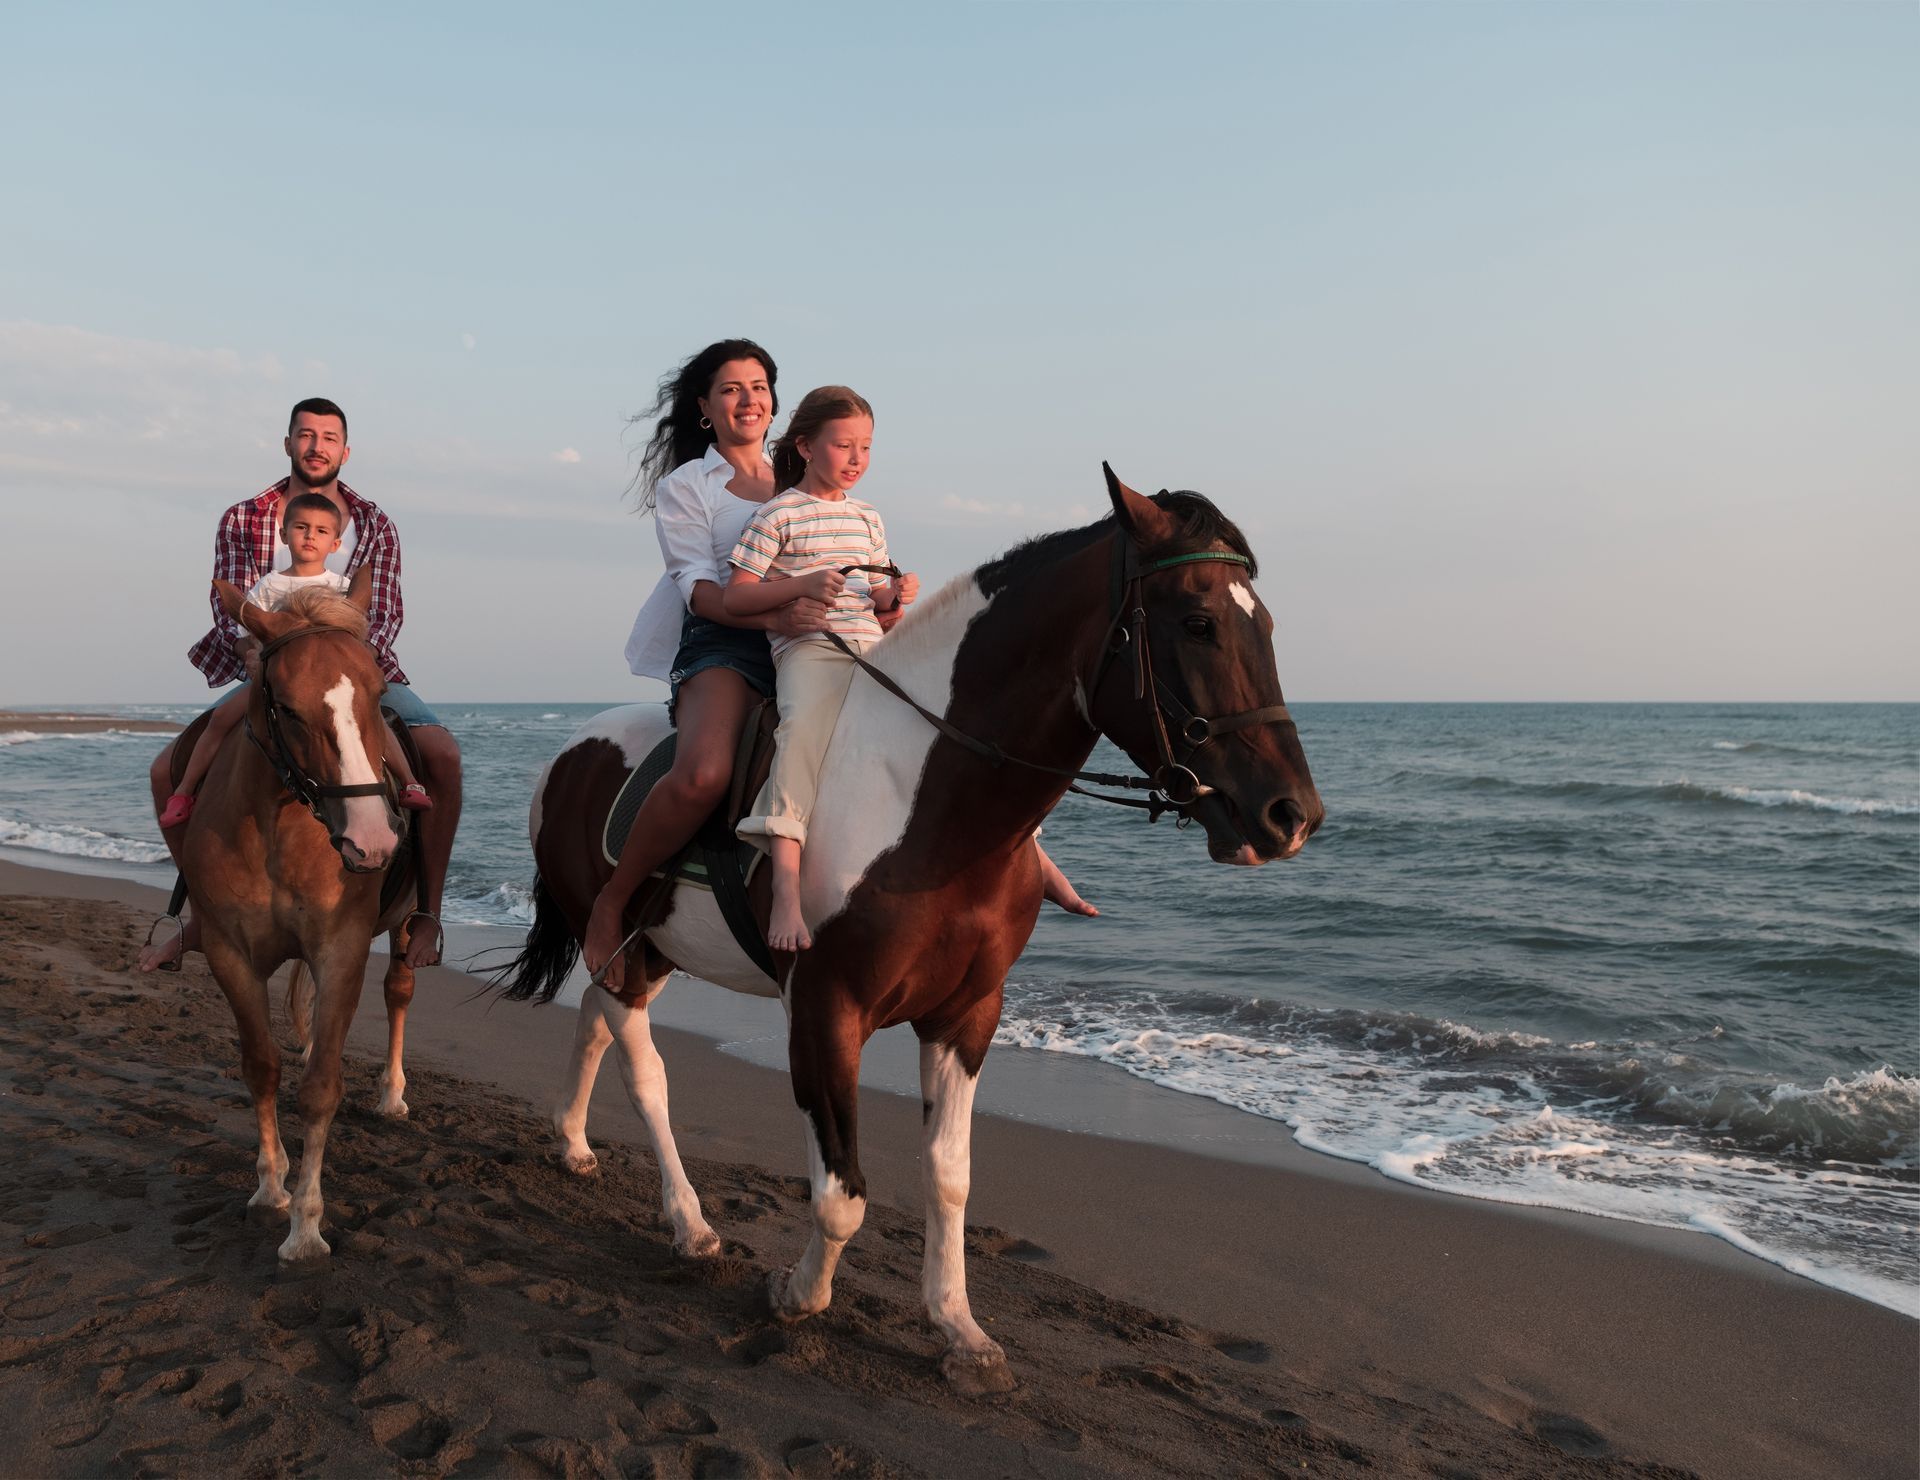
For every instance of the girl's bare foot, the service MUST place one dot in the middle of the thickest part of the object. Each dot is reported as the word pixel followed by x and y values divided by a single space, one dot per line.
pixel 603 939
pixel 1055 886
pixel 424 946
pixel 786 927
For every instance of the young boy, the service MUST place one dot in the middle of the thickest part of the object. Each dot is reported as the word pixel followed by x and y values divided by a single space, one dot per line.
pixel 310 529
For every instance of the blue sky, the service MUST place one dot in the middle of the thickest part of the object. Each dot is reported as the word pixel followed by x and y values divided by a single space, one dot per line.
pixel 1555 351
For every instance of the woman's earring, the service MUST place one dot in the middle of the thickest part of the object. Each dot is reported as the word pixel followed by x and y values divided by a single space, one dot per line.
pixel 705 425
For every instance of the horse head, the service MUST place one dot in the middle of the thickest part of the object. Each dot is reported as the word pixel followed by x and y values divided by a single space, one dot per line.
pixel 1189 688
pixel 315 713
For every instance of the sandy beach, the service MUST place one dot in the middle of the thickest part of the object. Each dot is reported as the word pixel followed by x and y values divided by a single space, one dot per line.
pixel 54 722
pixel 1165 1312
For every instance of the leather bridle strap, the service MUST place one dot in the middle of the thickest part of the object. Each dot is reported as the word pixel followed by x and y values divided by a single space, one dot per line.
pixel 302 787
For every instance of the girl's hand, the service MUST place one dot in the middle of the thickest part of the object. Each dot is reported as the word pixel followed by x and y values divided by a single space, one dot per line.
pixel 799 618
pixel 820 585
pixel 909 587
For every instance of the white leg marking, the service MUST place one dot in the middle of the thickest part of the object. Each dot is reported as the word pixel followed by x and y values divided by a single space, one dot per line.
pixel 303 1239
pixel 807 1288
pixel 646 1080
pixel 591 1038
pixel 946 1169
pixel 367 825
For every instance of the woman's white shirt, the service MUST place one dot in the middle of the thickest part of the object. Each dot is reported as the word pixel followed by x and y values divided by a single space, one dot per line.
pixel 698 522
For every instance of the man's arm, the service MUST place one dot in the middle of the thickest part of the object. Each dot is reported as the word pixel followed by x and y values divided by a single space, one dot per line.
pixel 387 611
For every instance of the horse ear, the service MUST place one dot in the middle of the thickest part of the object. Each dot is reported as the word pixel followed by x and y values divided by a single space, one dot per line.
pixel 230 597
pixel 1145 522
pixel 360 589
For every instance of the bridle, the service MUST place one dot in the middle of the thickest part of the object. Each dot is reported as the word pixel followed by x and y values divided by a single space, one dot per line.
pixel 299 785
pixel 1173 787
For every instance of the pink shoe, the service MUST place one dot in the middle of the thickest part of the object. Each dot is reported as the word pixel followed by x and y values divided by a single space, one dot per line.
pixel 178 809
pixel 415 799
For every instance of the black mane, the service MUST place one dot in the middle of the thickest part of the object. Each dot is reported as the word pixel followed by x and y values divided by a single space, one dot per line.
pixel 1202 526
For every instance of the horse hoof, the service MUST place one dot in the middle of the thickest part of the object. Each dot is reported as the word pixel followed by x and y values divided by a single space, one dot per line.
pixel 783 1309
pixel 394 1110
pixel 580 1163
pixel 703 1243
pixel 304 1250
pixel 974 1374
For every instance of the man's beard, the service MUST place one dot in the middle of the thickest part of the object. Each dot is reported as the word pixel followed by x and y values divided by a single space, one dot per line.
pixel 311 479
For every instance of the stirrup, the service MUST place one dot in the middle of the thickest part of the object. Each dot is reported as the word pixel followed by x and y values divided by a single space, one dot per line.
pixel 180 927
pixel 439 934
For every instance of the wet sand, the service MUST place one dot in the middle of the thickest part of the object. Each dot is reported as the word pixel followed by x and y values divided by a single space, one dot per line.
pixel 484 1312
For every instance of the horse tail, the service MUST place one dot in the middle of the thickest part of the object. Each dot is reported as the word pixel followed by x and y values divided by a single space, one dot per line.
pixel 547 960
pixel 300 1003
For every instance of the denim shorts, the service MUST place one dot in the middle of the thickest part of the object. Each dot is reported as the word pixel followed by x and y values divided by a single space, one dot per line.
pixel 705 645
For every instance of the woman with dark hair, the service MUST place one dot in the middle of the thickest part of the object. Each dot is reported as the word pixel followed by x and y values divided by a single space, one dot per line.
pixel 703 474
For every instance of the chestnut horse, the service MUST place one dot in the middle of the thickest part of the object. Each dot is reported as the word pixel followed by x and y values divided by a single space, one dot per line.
pixel 284 857
pixel 920 882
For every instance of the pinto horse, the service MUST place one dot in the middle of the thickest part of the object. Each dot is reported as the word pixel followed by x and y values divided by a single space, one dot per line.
pixel 920 882
pixel 284 857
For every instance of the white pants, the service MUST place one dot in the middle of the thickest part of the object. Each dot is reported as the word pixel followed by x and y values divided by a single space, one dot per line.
pixel 810 688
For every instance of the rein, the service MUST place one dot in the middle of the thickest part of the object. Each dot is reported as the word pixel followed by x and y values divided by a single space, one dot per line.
pixel 296 782
pixel 1173 787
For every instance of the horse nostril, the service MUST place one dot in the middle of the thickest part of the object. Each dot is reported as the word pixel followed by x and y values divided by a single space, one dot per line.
pixel 1285 816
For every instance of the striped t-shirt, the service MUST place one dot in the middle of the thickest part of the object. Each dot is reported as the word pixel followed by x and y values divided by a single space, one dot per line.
pixel 796 533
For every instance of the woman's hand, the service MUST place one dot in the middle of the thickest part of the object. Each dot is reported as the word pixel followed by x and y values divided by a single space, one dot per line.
pixel 909 588
pixel 798 618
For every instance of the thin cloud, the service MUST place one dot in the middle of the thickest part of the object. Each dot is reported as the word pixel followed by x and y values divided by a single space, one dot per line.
pixel 468 341
pixel 567 455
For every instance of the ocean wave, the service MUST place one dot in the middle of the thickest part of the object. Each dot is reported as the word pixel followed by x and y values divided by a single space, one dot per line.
pixel 79 842
pixel 1817 1179
pixel 505 904
pixel 25 737
pixel 1682 790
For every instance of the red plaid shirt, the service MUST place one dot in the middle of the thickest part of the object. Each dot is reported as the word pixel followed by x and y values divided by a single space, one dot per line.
pixel 243 553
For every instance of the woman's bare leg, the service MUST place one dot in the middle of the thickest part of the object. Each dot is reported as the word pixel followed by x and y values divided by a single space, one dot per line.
pixel 712 710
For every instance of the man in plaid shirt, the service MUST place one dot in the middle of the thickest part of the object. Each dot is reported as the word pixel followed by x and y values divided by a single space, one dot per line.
pixel 244 550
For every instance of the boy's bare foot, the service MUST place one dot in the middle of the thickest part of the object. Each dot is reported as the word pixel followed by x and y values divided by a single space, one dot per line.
pixel 1055 886
pixel 603 939
pixel 786 927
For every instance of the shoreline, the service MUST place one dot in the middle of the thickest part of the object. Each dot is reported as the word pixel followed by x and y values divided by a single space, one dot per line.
pixel 1648 1342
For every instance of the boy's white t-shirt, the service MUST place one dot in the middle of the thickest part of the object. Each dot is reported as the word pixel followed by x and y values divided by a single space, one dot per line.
pixel 271 591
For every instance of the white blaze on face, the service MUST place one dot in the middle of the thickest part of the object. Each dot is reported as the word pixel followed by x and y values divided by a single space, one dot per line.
pixel 1242 597
pixel 367 825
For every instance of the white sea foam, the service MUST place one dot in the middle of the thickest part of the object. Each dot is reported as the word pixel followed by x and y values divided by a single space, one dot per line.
pixel 1417 1105
pixel 79 842
pixel 27 737
pixel 1851 806
pixel 505 904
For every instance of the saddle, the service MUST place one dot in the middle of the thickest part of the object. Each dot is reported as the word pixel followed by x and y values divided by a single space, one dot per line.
pixel 716 860
pixel 402 876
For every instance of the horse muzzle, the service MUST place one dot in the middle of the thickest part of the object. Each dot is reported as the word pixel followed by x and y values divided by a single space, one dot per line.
pixel 1246 840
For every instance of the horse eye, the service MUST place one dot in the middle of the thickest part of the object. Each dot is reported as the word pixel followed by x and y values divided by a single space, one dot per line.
pixel 1200 626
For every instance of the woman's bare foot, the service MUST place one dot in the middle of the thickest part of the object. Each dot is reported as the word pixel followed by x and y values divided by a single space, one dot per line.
pixel 603 939
pixel 1055 886
pixel 786 926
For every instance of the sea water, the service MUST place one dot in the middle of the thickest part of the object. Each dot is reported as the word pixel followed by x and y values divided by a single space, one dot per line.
pixel 1652 962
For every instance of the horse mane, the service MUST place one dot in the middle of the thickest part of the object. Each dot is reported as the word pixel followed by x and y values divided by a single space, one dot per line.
pixel 319 607
pixel 1201 526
